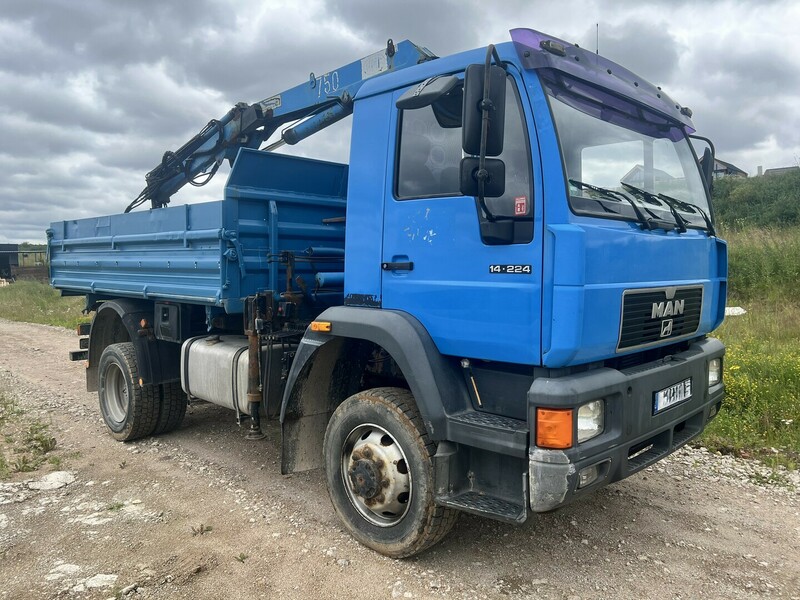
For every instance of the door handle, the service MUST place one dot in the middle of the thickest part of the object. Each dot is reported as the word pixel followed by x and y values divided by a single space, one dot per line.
pixel 397 266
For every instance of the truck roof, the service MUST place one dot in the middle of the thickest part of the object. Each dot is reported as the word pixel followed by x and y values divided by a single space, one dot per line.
pixel 536 50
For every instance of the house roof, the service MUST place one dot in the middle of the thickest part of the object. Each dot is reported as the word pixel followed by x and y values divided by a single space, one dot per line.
pixel 721 165
pixel 637 173
pixel 780 170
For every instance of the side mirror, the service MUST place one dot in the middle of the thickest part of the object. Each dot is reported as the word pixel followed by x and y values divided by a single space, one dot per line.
pixel 707 165
pixel 475 80
pixel 495 182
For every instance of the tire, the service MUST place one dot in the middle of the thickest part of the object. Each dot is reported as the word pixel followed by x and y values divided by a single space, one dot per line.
pixel 130 410
pixel 379 470
pixel 172 407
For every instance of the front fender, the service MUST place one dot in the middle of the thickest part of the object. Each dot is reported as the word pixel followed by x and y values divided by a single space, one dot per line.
pixel 437 387
pixel 322 373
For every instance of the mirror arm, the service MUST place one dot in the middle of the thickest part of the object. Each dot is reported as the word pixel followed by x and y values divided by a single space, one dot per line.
pixel 486 106
pixel 707 177
pixel 694 136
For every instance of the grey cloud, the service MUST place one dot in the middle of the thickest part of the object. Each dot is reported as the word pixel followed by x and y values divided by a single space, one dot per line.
pixel 117 33
pixel 728 69
pixel 645 47
pixel 445 27
pixel 93 92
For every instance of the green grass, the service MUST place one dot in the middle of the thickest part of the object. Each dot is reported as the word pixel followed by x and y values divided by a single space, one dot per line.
pixel 761 411
pixel 35 302
pixel 764 264
pixel 758 201
pixel 762 383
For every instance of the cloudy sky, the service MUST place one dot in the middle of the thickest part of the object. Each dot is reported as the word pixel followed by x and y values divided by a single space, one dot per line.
pixel 92 93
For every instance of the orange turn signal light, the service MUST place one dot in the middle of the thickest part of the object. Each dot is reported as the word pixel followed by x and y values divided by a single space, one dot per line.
pixel 554 427
pixel 320 326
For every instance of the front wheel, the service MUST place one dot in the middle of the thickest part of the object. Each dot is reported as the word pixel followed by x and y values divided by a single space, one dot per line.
pixel 130 410
pixel 379 469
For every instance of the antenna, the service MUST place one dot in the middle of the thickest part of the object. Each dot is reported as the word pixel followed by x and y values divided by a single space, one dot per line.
pixel 597 38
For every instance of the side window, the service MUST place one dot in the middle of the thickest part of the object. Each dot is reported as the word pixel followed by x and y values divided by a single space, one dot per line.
pixel 429 155
pixel 430 152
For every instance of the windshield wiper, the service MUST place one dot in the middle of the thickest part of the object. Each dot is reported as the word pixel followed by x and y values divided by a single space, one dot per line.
pixel 709 225
pixel 600 192
pixel 645 222
pixel 679 220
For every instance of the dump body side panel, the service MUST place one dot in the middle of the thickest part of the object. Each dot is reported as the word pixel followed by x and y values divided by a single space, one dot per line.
pixel 213 253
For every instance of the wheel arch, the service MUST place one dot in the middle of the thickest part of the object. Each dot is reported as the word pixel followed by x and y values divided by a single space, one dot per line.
pixel 328 367
pixel 120 320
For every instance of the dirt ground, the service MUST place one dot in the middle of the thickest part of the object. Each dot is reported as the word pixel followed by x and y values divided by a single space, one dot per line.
pixel 203 513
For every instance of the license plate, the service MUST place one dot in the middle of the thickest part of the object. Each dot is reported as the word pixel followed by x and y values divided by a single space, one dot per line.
pixel 674 394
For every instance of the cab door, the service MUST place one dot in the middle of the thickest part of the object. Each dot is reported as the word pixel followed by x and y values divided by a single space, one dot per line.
pixel 479 296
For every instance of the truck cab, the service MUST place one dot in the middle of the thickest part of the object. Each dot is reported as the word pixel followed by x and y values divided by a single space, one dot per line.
pixel 581 310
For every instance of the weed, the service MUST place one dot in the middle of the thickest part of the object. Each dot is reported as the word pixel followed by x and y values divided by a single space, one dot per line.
pixel 201 530
pixel 242 557
pixel 55 462
pixel 123 464
pixel 8 411
pixel 115 506
pixel 38 439
pixel 24 464
pixel 29 440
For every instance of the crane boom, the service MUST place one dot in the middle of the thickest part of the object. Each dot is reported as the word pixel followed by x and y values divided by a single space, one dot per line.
pixel 318 103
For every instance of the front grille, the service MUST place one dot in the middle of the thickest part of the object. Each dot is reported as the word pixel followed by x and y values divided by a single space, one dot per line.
pixel 658 315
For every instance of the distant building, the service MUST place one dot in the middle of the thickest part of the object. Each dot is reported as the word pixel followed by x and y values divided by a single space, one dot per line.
pixel 9 257
pixel 636 176
pixel 726 169
pixel 781 170
pixel 32 258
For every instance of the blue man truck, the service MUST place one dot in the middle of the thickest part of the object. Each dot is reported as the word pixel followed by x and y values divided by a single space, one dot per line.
pixel 500 305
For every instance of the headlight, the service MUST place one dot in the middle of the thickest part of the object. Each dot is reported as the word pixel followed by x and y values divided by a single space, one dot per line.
pixel 714 371
pixel 590 420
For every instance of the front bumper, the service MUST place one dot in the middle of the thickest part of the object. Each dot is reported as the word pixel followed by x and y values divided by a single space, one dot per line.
pixel 633 437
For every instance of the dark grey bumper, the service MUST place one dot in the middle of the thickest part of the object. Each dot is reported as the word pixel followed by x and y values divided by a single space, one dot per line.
pixel 633 437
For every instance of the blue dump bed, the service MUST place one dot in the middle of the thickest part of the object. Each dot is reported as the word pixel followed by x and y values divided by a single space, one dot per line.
pixel 280 215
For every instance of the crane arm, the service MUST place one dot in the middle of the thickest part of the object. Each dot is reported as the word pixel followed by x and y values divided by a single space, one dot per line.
pixel 318 103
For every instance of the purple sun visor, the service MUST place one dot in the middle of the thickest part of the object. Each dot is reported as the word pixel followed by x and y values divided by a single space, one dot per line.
pixel 539 51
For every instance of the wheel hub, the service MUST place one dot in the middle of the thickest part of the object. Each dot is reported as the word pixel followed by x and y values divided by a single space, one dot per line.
pixel 365 477
pixel 376 476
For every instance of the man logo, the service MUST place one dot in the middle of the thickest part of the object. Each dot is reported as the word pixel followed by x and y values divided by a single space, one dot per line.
pixel 667 309
pixel 666 328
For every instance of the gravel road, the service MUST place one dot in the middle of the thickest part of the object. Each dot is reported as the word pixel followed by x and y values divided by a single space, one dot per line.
pixel 203 513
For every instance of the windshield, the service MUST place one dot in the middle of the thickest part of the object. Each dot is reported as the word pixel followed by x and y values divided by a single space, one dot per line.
pixel 608 142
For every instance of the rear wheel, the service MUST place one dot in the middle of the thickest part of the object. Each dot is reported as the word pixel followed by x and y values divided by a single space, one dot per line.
pixel 379 469
pixel 130 410
pixel 172 407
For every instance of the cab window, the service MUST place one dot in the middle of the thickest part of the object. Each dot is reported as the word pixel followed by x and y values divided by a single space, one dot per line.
pixel 429 155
